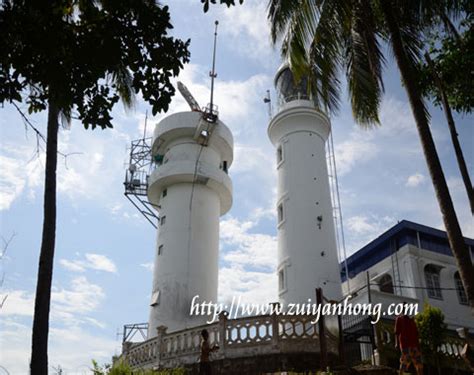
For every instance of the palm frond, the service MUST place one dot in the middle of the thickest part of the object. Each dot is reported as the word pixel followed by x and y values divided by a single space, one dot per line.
pixel 325 54
pixel 123 80
pixel 364 64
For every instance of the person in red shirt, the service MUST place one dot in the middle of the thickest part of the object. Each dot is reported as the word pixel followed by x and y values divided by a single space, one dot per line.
pixel 406 339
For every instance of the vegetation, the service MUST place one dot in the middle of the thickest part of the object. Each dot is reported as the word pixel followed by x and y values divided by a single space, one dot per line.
pixel 122 368
pixel 323 37
pixel 452 52
pixel 78 59
pixel 432 333
pixel 446 78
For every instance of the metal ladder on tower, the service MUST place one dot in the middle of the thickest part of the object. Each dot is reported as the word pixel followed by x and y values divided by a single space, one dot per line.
pixel 337 210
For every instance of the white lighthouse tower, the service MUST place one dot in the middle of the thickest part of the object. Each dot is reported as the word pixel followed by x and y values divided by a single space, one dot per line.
pixel 190 189
pixel 307 252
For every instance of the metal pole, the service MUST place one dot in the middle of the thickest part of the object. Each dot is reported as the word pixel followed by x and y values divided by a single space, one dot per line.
pixel 213 74
pixel 369 296
pixel 322 331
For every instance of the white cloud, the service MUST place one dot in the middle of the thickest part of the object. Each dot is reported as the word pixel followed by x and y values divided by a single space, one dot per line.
pixel 72 348
pixel 82 297
pixel 11 184
pixel 69 306
pixel 148 266
pixel 361 229
pixel 96 262
pixel 250 261
pixel 249 249
pixel 249 31
pixel 72 265
pixel 18 302
pixel 415 180
pixel 100 263
pixel 18 171
pixel 353 152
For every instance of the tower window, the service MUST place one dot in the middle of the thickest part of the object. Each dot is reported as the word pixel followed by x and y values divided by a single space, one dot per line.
pixel 163 220
pixel 280 212
pixel 165 193
pixel 160 249
pixel 281 279
pixel 433 281
pixel 461 292
pixel 224 166
pixel 279 154
pixel 155 298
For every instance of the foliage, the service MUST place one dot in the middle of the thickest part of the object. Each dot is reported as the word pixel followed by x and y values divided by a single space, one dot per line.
pixel 453 58
pixel 227 2
pixel 86 55
pixel 122 368
pixel 431 330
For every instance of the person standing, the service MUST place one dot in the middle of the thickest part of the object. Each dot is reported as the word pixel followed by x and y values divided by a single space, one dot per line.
pixel 205 364
pixel 406 339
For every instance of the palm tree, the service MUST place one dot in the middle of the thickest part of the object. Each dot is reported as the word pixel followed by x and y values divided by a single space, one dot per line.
pixel 320 37
pixel 122 78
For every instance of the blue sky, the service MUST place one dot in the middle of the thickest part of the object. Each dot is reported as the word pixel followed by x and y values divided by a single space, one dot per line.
pixel 102 276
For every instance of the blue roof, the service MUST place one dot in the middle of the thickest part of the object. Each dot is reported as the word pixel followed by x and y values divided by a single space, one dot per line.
pixel 392 240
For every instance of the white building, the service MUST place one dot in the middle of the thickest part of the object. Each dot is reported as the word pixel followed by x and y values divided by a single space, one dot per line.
pixel 190 189
pixel 307 252
pixel 413 263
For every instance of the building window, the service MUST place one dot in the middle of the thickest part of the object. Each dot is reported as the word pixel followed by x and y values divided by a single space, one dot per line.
pixel 386 284
pixel 163 220
pixel 433 281
pixel 165 193
pixel 280 213
pixel 281 279
pixel 160 249
pixel 461 292
pixel 155 298
pixel 224 166
pixel 279 154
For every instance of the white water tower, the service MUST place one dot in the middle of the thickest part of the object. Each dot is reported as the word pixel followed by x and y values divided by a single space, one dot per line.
pixel 307 251
pixel 190 188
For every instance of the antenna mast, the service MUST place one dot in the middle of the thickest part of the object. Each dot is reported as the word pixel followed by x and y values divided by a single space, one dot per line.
pixel 213 73
pixel 210 113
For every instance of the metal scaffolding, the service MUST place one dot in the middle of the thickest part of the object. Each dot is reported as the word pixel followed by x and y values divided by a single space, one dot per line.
pixel 138 171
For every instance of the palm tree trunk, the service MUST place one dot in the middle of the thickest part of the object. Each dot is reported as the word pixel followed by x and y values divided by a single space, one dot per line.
pixel 39 354
pixel 454 135
pixel 453 230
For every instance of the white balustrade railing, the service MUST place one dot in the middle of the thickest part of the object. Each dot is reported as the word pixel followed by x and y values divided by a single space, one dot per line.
pixel 236 338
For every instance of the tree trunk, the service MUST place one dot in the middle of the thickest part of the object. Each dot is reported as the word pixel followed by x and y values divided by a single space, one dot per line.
pixel 454 135
pixel 39 354
pixel 453 230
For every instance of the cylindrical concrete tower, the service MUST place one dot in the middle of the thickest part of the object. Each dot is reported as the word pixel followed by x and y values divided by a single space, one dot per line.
pixel 307 252
pixel 191 189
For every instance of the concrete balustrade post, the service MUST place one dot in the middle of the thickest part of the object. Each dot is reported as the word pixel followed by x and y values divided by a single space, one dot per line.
pixel 161 333
pixel 222 332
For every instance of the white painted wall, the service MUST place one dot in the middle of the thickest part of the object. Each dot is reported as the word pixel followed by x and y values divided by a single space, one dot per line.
pixel 307 253
pixel 188 233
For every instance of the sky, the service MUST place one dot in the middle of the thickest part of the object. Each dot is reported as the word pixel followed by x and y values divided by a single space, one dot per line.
pixel 104 250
